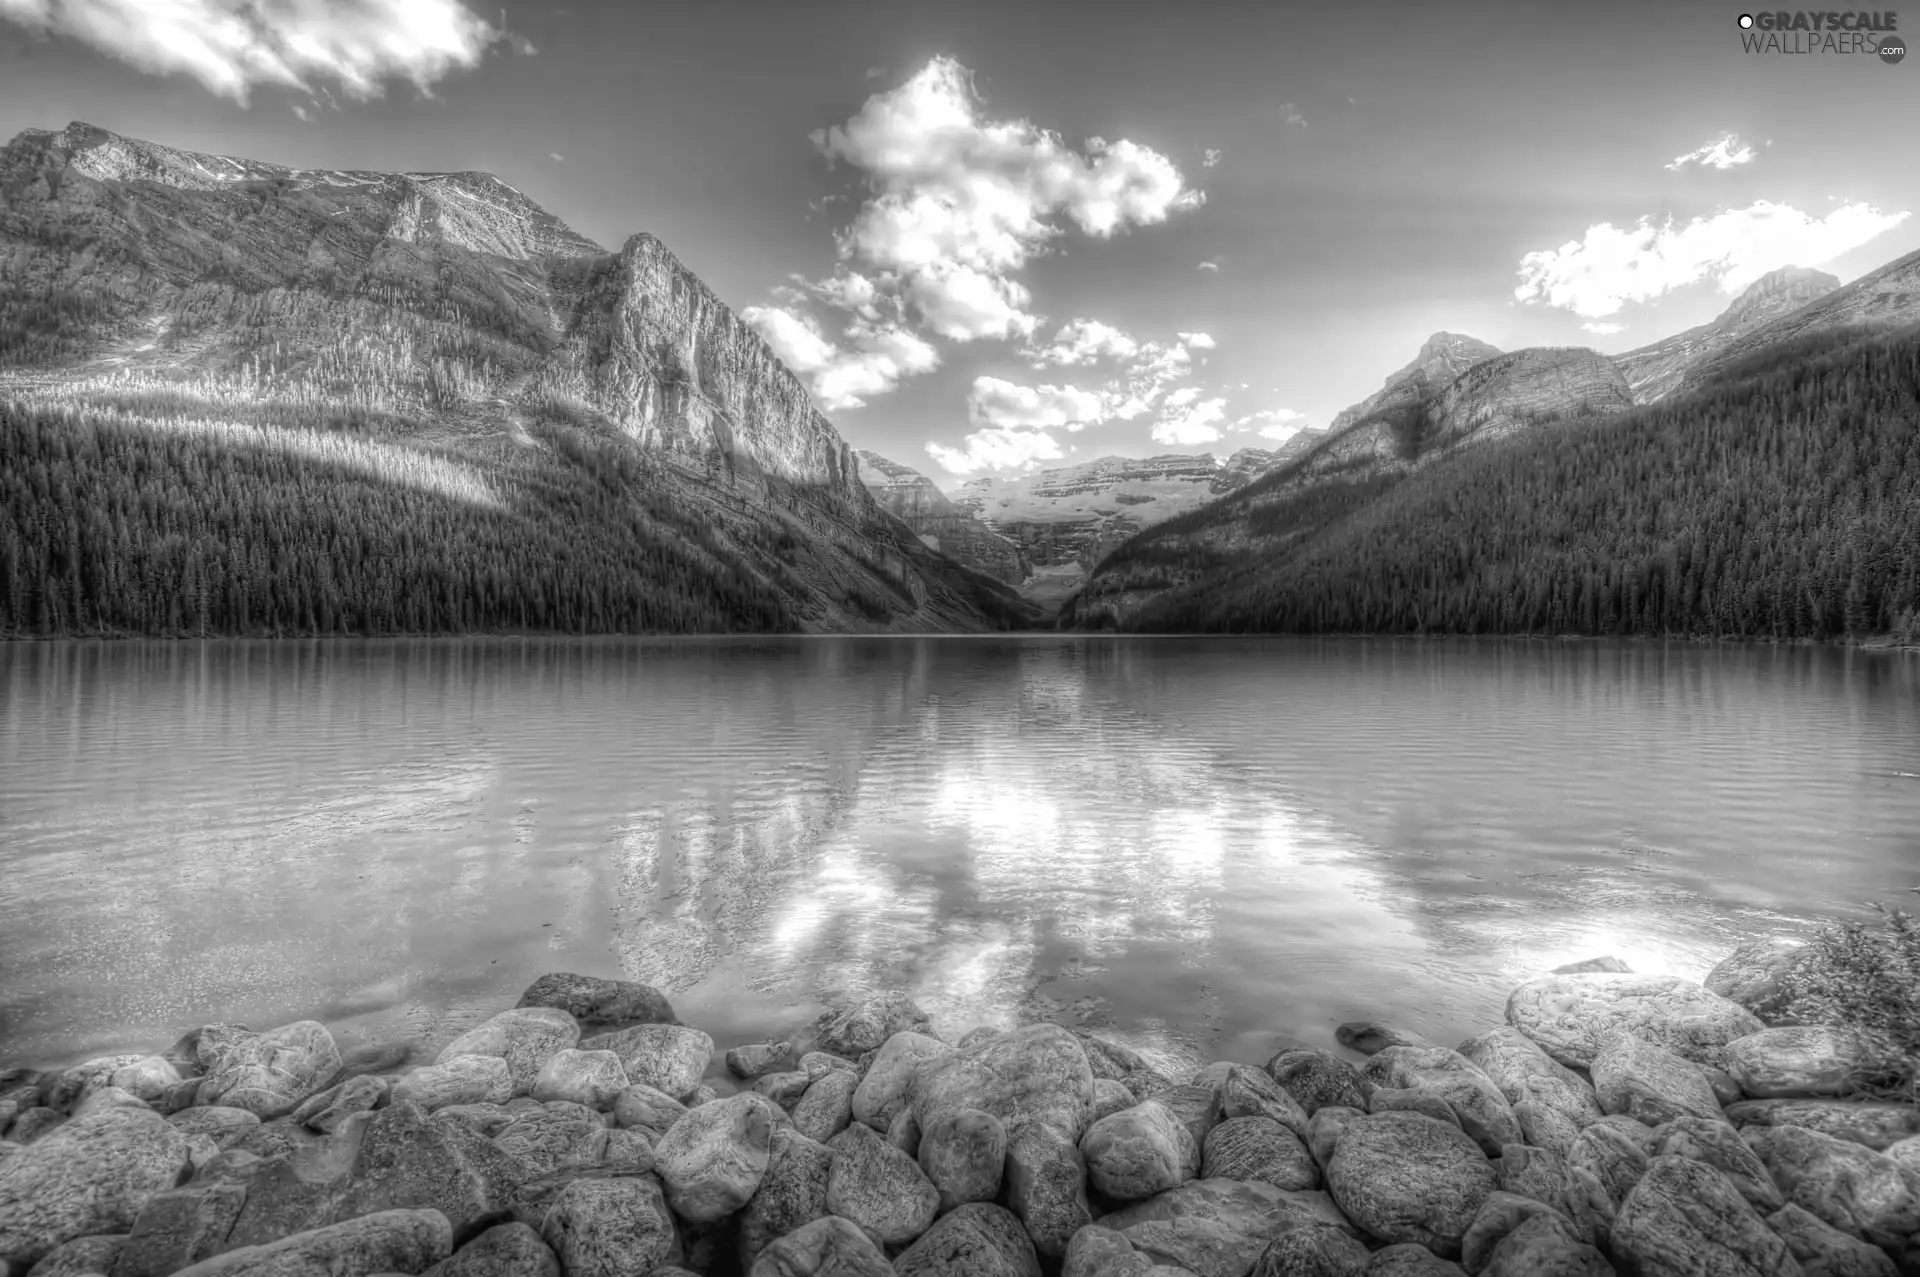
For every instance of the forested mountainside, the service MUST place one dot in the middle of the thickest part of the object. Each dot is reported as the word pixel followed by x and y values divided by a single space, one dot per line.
pixel 1776 499
pixel 1656 371
pixel 911 497
pixel 241 398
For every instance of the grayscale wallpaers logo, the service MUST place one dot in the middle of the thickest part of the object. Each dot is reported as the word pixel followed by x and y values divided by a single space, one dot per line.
pixel 1829 32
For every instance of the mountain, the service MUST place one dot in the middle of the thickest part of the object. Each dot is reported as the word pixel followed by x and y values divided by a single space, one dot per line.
pixel 1442 357
pixel 1655 371
pixel 1414 422
pixel 293 401
pixel 911 497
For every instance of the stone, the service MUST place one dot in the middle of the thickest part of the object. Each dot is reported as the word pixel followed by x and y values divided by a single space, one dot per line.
pixel 1098 1251
pixel 904 1134
pixel 1755 976
pixel 1479 1106
pixel 92 1175
pixel 1848 1185
pixel 1498 1216
pixel 148 1077
pixel 1316 1080
pixel 1218 1227
pixel 642 1108
pixel 1197 1106
pixel 1635 1078
pixel 1046 1181
pixel 1407 1178
pixel 1035 1074
pixel 757 1059
pixel 1725 1087
pixel 1793 1062
pixel 592 1078
pixel 1312 1250
pixel 1139 1152
pixel 106 1097
pixel 1251 1092
pixel 826 1108
pixel 73 1085
pixel 1371 1036
pixel 704 1093
pixel 1905 1151
pixel 327 1110
pixel 81 1256
pixel 1545 1246
pixel 1409 1259
pixel 883 1091
pixel 487 1119
pixel 268 1073
pixel 712 1160
pixel 1716 1143
pixel 613 1227
pixel 670 1058
pixel 1387 1099
pixel 1684 1218
pixel 1124 1065
pixel 879 1187
pixel 405 1241
pixel 1545 1127
pixel 864 1027
pixel 1612 1157
pixel 183 1094
pixel 1877 1124
pixel 1109 1097
pixel 963 1154
pixel 376 1057
pixel 793 1192
pixel 1526 1075
pixel 826 1247
pixel 1325 1130
pixel 463 1079
pixel 525 1037
pixel 1574 1017
pixel 1545 1176
pixel 543 1142
pixel 814 1063
pixel 1825 1251
pixel 1587 966
pixel 976 1240
pixel 1259 1148
pixel 512 1249
pixel 784 1089
pixel 592 1000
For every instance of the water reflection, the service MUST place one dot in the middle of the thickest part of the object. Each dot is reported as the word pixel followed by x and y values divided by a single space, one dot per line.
pixel 1209 848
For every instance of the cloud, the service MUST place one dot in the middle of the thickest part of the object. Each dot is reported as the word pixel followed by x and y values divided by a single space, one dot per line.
pixel 1081 342
pixel 1211 157
pixel 1604 329
pixel 874 73
pixel 231 46
pixel 1279 424
pixel 877 357
pixel 1595 275
pixel 1209 265
pixel 997 450
pixel 999 403
pixel 1193 421
pixel 1198 341
pixel 1294 119
pixel 1719 154
pixel 555 156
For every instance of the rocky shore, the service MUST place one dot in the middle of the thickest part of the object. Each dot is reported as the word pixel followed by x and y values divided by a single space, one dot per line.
pixel 1617 1122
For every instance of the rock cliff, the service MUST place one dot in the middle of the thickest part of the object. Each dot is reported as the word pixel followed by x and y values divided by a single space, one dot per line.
pixel 912 498
pixel 1655 371
pixel 1441 358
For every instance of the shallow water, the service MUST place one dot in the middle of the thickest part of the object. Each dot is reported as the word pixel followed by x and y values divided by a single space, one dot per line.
pixel 1205 847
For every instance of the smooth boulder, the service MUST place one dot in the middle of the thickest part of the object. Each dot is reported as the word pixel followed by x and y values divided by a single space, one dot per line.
pixel 1037 1074
pixel 92 1175
pixel 1404 1177
pixel 1138 1152
pixel 594 1000
pixel 712 1160
pixel 1637 1079
pixel 1479 1106
pixel 1574 1017
pixel 1794 1062
pixel 879 1187
pixel 670 1058
pixel 1684 1218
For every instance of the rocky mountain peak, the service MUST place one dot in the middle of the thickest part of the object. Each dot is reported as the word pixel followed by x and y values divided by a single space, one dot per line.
pixel 1654 371
pixel 1776 293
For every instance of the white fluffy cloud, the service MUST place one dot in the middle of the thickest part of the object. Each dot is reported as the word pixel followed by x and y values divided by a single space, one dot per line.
pixel 1191 421
pixel 1294 119
pixel 997 449
pixel 876 358
pixel 1596 275
pixel 1278 424
pixel 1604 329
pixel 1721 153
pixel 1208 265
pixel 995 402
pixel 1211 156
pixel 230 46
pixel 1080 342
pixel 1198 341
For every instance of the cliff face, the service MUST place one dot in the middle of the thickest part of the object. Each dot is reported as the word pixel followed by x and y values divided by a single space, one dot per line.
pixel 1441 358
pixel 1655 371
pixel 912 498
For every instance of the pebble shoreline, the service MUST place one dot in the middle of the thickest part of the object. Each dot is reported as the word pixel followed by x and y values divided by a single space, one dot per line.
pixel 1617 1123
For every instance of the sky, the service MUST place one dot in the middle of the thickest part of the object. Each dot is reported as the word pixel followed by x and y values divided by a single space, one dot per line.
pixel 997 236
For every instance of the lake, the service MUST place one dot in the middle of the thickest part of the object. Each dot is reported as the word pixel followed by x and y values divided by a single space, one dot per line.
pixel 1208 848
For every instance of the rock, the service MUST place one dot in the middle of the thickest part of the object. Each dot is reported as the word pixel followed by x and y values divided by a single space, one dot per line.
pixel 73 1085
pixel 1905 1151
pixel 1370 1036
pixel 327 1110
pixel 670 1058
pixel 593 1078
pixel 1197 1107
pixel 1848 1185
pixel 827 1106
pixel 1408 1099
pixel 1139 1152
pixel 1545 1246
pixel 1718 1145
pixel 183 1094
pixel 862 1028
pixel 1793 1062
pixel 879 1187
pixel 1877 1124
pixel 92 1175
pixel 525 1037
pixel 1315 1080
pixel 793 1192
pixel 179 1227
pixel 148 1077
pixel 1545 1176
pixel 904 1134
pixel 1324 1131
pixel 1404 1177
pixel 486 1119
pixel 1587 966
pixel 1110 1097
pixel 815 1063
pixel 107 1097
pixel 1574 1017
pixel 1545 1127
pixel 1683 1217
pixel 963 1154
pixel 375 1057
pixel 1526 1074
pixel 713 1159
pixel 81 1256
pixel 1123 1064
pixel 464 1079
pixel 704 1094
pixel 976 1240
pixel 1409 1259
pixel 1218 1227
pixel 1047 1189
pixel 1825 1251
pixel 757 1059
pixel 1725 1087
pixel 268 1073
pixel 826 1247
pixel 612 1227
pixel 506 1250
pixel 1498 1216
pixel 1035 1074
pixel 1478 1104
pixel 591 1000
pixel 783 1089
pixel 1259 1148
pixel 642 1108
pixel 883 1091
pixel 1098 1251
pixel 404 1241
pixel 1637 1079
pixel 1612 1157
pixel 1755 976
pixel 1312 1250
pixel 544 1142
pixel 1250 1092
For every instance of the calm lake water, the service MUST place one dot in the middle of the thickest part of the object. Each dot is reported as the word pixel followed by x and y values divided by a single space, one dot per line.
pixel 1205 847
